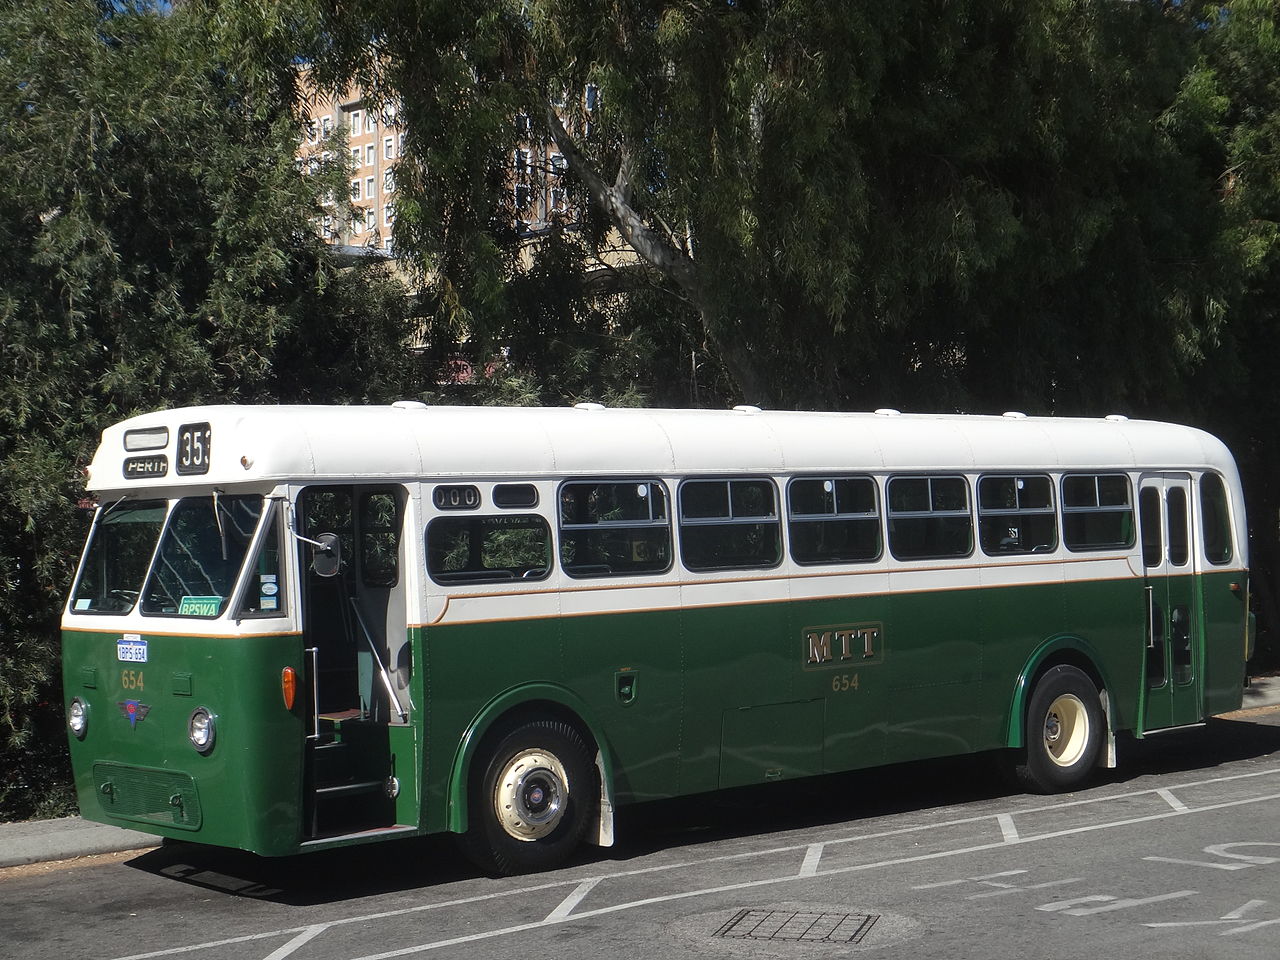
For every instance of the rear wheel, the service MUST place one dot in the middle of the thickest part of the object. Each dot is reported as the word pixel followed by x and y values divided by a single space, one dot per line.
pixel 1063 731
pixel 531 804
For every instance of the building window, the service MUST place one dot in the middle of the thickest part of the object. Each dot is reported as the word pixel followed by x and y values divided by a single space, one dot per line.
pixel 591 97
pixel 388 181
pixel 388 214
pixel 557 199
pixel 355 189
pixel 355 156
pixel 522 124
pixel 371 219
pixel 388 148
pixel 326 126
pixel 357 225
pixel 521 196
pixel 368 188
pixel 558 164
pixel 326 228
pixel 355 123
pixel 313 132
pixel 370 122
pixel 369 157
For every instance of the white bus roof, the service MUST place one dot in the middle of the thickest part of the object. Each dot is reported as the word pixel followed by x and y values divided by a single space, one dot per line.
pixel 261 444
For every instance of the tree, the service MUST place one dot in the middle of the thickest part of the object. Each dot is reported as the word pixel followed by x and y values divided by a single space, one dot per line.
pixel 157 247
pixel 954 203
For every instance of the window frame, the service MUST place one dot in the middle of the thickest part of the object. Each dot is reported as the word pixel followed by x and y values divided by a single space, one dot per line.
pixel 890 515
pixel 682 522
pixel 668 523
pixel 877 514
pixel 1019 511
pixel 478 520
pixel 1130 507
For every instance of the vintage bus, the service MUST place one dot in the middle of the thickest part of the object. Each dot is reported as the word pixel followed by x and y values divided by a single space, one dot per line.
pixel 295 628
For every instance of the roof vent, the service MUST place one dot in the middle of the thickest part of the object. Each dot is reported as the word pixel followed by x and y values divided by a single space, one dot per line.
pixel 1014 415
pixel 888 412
pixel 746 408
pixel 1117 418
pixel 409 405
pixel 588 406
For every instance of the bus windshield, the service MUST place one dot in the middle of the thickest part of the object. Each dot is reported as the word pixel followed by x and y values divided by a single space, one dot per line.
pixel 196 563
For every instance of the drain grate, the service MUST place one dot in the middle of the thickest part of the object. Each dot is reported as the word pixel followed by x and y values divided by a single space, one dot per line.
pixel 798 926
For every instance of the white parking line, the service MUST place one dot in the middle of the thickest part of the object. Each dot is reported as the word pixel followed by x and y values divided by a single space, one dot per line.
pixel 561 913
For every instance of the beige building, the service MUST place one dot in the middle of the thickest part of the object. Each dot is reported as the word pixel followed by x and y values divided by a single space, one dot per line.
pixel 376 142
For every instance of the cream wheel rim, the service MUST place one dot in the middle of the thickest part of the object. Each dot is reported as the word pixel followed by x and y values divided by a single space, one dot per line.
pixel 1066 730
pixel 531 794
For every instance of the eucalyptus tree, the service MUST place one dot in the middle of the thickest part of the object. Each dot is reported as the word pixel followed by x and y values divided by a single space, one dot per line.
pixel 156 248
pixel 956 203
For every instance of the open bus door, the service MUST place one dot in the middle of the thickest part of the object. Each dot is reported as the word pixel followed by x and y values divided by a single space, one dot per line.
pixel 354 603
pixel 1173 684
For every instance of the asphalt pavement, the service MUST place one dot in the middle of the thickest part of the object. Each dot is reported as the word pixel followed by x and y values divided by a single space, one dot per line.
pixel 42 841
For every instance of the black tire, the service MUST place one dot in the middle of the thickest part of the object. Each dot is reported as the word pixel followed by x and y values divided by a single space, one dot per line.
pixel 1063 732
pixel 531 801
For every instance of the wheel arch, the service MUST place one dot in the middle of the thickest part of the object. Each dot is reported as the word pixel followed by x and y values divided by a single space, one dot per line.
pixel 535 701
pixel 1061 650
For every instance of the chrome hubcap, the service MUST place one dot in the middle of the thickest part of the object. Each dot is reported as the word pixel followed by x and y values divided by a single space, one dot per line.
pixel 530 796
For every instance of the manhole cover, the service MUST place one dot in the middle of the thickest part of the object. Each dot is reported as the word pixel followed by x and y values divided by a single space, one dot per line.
pixel 798 926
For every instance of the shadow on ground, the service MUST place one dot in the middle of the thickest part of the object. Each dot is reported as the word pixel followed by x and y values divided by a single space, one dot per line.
pixel 395 866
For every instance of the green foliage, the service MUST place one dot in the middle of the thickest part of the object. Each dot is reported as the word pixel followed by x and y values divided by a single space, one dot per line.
pixel 157 247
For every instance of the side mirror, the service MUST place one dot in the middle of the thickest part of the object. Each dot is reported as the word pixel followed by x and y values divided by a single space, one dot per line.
pixel 326 558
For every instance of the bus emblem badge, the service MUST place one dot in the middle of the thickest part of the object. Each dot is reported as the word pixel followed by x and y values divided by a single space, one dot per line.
pixel 133 711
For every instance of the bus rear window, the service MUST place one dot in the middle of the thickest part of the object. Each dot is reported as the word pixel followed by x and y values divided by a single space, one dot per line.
pixel 476 549
pixel 1215 519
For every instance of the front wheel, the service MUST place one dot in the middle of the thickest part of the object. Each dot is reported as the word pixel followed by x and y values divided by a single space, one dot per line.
pixel 1063 732
pixel 530 806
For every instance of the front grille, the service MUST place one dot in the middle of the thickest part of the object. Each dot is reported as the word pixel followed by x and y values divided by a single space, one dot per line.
pixel 149 796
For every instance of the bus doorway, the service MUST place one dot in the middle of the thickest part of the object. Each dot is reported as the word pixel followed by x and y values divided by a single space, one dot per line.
pixel 1172 682
pixel 354 608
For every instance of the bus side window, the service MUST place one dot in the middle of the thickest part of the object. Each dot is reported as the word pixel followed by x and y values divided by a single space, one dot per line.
pixel 1097 512
pixel 1016 515
pixel 379 539
pixel 478 549
pixel 1215 518
pixel 265 587
pixel 729 524
pixel 929 518
pixel 614 528
pixel 833 520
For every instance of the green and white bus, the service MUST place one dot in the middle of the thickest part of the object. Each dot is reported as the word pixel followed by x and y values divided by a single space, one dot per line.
pixel 295 628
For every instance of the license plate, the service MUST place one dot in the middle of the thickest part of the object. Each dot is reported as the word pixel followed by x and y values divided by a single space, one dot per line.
pixel 131 651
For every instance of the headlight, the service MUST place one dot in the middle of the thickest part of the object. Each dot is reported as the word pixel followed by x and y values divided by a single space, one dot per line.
pixel 78 717
pixel 201 730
